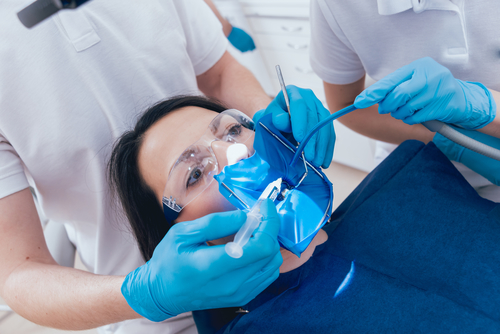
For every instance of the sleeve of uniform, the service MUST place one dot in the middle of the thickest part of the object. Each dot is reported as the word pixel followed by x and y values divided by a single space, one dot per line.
pixel 206 42
pixel 12 177
pixel 332 55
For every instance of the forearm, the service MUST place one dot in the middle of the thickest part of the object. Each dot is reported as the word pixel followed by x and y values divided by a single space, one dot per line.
pixel 233 84
pixel 65 298
pixel 241 89
pixel 493 129
pixel 369 122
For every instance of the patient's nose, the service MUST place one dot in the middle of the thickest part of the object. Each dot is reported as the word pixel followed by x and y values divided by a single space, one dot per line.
pixel 228 153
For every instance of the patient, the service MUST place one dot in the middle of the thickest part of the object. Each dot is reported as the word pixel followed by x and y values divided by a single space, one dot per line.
pixel 412 249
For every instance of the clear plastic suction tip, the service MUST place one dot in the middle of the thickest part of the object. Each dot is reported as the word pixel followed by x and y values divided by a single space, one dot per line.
pixel 234 250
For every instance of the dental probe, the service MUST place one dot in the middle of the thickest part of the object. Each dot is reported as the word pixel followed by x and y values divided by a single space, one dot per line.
pixel 235 248
pixel 283 89
pixel 287 102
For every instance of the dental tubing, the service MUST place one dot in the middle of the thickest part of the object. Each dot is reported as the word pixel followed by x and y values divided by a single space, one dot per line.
pixel 254 217
pixel 318 126
pixel 434 126
pixel 449 132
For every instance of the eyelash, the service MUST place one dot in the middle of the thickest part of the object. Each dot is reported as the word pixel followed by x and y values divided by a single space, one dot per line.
pixel 234 126
pixel 188 185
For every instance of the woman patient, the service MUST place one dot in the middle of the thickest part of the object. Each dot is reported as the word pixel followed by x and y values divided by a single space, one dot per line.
pixel 413 248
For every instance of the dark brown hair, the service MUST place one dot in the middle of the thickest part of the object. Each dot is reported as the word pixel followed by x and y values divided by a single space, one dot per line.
pixel 139 202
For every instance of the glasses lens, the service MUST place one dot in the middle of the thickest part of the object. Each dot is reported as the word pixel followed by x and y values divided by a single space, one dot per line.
pixel 191 174
pixel 194 170
pixel 232 126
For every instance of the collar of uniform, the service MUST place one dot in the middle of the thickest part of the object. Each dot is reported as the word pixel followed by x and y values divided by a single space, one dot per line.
pixel 390 7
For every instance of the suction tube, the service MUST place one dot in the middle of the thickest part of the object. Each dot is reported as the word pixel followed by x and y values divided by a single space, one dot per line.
pixel 434 126
pixel 318 126
pixel 461 139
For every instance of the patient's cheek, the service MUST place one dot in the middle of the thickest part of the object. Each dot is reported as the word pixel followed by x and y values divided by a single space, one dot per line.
pixel 210 201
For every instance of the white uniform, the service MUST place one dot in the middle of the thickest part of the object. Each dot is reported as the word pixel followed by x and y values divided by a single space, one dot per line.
pixel 69 87
pixel 376 37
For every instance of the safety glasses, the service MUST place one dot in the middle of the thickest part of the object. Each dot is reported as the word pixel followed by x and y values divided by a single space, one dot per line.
pixel 194 170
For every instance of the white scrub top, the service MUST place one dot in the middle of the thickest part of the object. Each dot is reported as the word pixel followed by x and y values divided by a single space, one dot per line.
pixel 376 37
pixel 69 87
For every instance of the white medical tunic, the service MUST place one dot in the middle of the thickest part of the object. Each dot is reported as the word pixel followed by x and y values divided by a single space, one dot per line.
pixel 376 37
pixel 69 87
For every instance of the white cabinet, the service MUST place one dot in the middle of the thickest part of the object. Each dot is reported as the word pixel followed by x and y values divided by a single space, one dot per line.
pixel 281 32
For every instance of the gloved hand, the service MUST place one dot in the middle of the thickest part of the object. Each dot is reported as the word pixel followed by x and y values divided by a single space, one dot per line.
pixel 241 40
pixel 487 167
pixel 184 274
pixel 306 111
pixel 425 90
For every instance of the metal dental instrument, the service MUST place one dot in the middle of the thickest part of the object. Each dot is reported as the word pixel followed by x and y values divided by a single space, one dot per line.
pixel 287 102
pixel 283 89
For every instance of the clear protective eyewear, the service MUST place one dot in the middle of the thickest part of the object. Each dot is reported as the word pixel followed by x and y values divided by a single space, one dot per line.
pixel 195 168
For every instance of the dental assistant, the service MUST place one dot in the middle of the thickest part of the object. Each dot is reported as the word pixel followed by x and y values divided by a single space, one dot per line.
pixel 68 88
pixel 389 40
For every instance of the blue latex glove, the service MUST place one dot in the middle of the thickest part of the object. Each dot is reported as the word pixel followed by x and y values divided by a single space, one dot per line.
pixel 306 111
pixel 184 274
pixel 241 40
pixel 425 90
pixel 487 167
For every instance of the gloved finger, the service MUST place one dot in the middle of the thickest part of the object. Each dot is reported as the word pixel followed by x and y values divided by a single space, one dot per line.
pixel 322 143
pixel 255 286
pixel 302 105
pixel 310 149
pixel 261 287
pixel 258 115
pixel 270 219
pixel 379 90
pixel 419 117
pixel 329 151
pixel 402 94
pixel 414 107
pixel 262 246
pixel 279 103
pixel 229 282
pixel 256 283
pixel 210 227
pixel 240 280
pixel 281 121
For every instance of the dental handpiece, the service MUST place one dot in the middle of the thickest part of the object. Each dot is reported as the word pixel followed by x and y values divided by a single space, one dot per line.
pixel 254 217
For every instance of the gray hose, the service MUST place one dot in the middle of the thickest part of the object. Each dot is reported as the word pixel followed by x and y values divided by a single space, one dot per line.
pixel 463 140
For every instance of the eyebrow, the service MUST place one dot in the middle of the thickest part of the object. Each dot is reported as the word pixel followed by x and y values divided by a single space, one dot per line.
pixel 214 125
pixel 185 155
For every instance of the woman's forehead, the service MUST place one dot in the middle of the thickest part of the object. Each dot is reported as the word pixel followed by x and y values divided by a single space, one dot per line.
pixel 165 141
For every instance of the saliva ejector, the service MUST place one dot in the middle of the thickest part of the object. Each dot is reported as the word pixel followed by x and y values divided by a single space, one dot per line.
pixel 254 217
